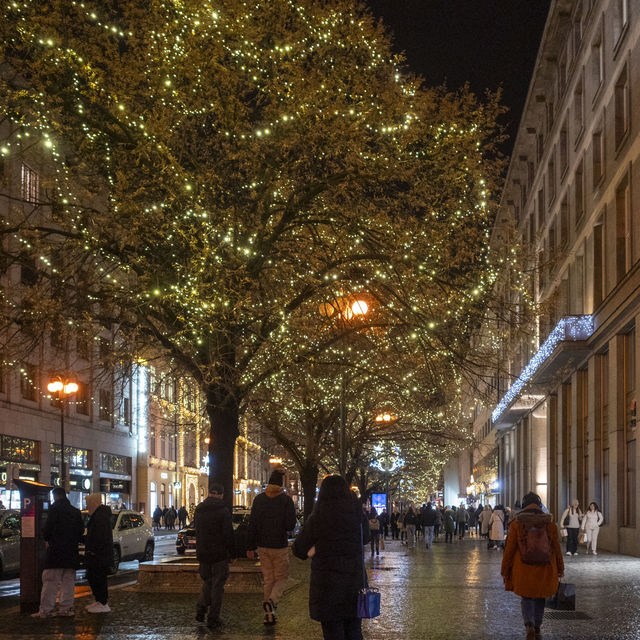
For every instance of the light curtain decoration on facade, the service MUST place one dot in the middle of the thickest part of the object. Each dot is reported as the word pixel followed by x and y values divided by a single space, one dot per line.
pixel 569 328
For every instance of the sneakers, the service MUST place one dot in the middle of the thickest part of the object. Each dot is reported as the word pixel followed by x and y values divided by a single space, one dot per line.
pixel 40 614
pixel 575 553
pixel 269 612
pixel 98 607
pixel 595 553
pixel 568 553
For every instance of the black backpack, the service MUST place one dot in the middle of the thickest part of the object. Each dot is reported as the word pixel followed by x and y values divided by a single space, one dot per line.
pixel 535 544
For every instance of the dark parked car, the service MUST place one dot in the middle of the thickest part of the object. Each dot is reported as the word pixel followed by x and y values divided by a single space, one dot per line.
pixel 186 540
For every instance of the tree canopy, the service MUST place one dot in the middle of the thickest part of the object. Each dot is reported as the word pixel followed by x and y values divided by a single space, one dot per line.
pixel 214 172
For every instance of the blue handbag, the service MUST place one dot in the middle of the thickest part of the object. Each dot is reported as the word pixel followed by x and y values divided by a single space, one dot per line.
pixel 368 598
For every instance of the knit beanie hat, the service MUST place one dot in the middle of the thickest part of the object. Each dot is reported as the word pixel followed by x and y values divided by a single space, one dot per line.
pixel 277 477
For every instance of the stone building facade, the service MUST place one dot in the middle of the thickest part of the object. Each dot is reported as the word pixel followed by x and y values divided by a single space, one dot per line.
pixel 564 419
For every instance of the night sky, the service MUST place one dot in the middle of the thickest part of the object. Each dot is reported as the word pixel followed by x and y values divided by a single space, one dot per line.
pixel 489 43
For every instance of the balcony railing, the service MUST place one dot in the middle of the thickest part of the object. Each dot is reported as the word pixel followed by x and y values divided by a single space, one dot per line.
pixel 568 329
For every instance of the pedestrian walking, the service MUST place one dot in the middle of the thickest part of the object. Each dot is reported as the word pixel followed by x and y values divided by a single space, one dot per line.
pixel 591 523
pixel 170 518
pixel 214 550
pixel 429 523
pixel 374 528
pixel 157 518
pixel 570 520
pixel 272 516
pixel 182 517
pixel 448 524
pixel 63 531
pixel 2 505
pixel 395 532
pixel 98 551
pixel 333 537
pixel 410 522
pixel 485 519
pixel 384 523
pixel 401 527
pixel 462 517
pixel 438 523
pixel 479 510
pixel 496 528
pixel 532 563
pixel 471 522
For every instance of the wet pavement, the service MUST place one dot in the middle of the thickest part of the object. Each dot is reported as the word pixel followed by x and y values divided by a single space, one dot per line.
pixel 453 591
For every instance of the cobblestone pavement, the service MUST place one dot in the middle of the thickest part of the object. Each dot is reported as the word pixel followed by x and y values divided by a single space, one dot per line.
pixel 453 591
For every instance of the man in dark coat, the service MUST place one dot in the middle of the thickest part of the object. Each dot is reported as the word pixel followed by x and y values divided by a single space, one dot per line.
pixel 63 531
pixel 214 549
pixel 182 517
pixel 98 551
pixel 428 523
pixel 272 516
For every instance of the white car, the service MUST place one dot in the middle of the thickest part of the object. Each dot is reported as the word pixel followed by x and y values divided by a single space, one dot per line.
pixel 132 537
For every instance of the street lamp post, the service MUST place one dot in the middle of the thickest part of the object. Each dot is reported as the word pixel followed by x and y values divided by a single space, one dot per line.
pixel 62 389
pixel 345 311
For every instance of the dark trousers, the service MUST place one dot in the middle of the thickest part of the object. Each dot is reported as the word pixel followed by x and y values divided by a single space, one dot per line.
pixel 375 541
pixel 394 531
pixel 213 575
pixel 436 530
pixel 572 539
pixel 345 629
pixel 97 579
pixel 532 611
pixel 448 536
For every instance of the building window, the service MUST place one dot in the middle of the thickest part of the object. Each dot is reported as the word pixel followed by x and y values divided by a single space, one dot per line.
pixel 13 449
pixel 126 411
pixel 578 108
pixel 28 272
pixel 630 485
pixel 564 149
pixel 105 409
pixel 577 29
pixel 539 147
pixel 620 20
pixel 597 63
pixel 622 107
pixel 28 382
pixel 578 191
pixel 541 208
pixel 83 399
pixel 599 263
pixel 623 229
pixel 30 184
pixel 152 442
pixel 551 177
pixel 564 222
pixel 114 463
pixel 597 148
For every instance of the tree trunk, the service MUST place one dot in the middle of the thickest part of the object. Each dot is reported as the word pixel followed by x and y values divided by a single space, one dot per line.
pixel 309 479
pixel 224 431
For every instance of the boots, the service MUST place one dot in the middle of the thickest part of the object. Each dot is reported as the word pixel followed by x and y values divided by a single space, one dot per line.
pixel 531 631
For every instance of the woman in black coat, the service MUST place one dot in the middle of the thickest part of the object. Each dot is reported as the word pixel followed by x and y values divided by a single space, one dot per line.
pixel 333 536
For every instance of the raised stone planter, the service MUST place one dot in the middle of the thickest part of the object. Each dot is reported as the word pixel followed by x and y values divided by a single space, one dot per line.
pixel 180 575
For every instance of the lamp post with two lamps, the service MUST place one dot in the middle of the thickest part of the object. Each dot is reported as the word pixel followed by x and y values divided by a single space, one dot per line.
pixel 62 388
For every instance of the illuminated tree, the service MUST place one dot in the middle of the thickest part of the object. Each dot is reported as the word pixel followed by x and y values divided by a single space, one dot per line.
pixel 216 171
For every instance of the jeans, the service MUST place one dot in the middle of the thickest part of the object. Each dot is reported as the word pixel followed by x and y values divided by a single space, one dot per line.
pixel 213 575
pixel 345 629
pixel 275 572
pixel 532 611
pixel 54 580
pixel 411 534
pixel 97 579
pixel 428 535
pixel 572 539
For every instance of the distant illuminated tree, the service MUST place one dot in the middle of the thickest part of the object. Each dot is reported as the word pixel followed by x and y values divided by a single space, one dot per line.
pixel 215 171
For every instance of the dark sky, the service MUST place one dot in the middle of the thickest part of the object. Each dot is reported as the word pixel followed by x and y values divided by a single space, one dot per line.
pixel 489 43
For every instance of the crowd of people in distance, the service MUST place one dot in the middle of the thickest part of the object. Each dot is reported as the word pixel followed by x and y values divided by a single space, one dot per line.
pixel 168 516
